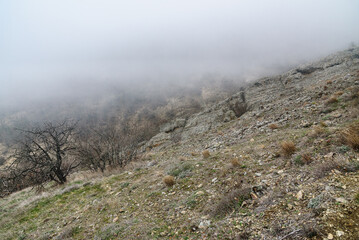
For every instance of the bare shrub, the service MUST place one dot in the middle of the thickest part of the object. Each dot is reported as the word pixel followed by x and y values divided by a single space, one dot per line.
pixel 43 154
pixel 231 201
pixel 331 100
pixel 339 93
pixel 235 162
pixel 288 148
pixel 307 158
pixel 350 135
pixel 2 160
pixel 205 154
pixel 340 163
pixel 109 146
pixel 273 126
pixel 324 168
pixel 169 180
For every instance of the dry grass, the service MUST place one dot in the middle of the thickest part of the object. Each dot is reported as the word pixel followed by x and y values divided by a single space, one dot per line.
pixel 182 159
pixel 288 148
pixel 273 126
pixel 205 154
pixel 339 93
pixel 331 100
pixel 323 124
pixel 235 162
pixel 194 154
pixel 350 135
pixel 169 180
pixel 329 82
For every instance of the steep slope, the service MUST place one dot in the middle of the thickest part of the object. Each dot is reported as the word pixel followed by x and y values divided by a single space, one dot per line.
pixel 285 169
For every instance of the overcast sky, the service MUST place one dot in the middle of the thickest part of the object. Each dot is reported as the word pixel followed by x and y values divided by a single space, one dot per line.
pixel 47 47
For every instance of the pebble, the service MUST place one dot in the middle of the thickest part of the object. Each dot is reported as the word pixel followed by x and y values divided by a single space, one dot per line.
pixel 199 193
pixel 339 233
pixel 330 236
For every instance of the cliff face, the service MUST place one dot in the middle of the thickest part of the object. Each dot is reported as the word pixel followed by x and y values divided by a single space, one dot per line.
pixel 286 168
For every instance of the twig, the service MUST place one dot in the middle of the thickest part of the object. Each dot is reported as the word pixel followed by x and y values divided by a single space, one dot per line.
pixel 290 234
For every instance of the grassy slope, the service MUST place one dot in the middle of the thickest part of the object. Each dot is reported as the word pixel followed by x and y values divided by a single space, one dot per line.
pixel 135 204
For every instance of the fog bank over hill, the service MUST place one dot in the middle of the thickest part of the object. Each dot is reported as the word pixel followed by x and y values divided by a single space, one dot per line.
pixel 74 49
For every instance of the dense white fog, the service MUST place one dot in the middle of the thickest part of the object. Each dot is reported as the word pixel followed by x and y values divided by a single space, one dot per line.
pixel 76 48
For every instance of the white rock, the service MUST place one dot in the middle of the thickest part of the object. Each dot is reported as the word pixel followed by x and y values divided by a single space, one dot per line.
pixel 300 195
pixel 340 233
pixel 330 236
pixel 204 224
pixel 341 200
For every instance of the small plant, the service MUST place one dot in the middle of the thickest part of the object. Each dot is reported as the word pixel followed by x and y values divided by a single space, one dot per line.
pixel 307 158
pixel 182 170
pixel 288 148
pixel 235 162
pixel 350 136
pixel 205 154
pixel 232 200
pixel 303 159
pixel 356 198
pixel 344 149
pixel 169 180
pixel 273 126
pixel 298 160
pixel 111 231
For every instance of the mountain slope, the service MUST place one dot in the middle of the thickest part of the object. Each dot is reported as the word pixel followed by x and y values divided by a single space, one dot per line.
pixel 282 170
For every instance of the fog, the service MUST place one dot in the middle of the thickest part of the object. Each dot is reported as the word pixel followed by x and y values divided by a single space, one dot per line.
pixel 71 48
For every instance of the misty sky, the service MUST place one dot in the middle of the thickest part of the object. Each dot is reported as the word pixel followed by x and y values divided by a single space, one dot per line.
pixel 51 47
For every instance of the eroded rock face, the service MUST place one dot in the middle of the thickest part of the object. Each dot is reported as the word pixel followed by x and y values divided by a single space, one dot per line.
pixel 256 95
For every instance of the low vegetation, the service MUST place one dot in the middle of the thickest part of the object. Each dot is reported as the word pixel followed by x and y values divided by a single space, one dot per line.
pixel 169 180
pixel 350 135
pixel 288 148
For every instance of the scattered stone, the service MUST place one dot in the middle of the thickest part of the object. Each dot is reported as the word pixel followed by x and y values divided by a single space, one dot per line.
pixel 115 219
pixel 305 124
pixel 300 195
pixel 330 236
pixel 339 233
pixel 341 200
pixel 204 224
pixel 199 193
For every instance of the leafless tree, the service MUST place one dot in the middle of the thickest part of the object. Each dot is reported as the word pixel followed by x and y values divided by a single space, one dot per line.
pixel 109 145
pixel 43 153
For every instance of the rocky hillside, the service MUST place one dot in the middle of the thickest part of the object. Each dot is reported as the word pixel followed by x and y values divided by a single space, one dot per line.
pixel 278 160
